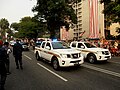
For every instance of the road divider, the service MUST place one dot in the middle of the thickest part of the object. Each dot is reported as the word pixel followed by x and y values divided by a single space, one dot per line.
pixel 52 72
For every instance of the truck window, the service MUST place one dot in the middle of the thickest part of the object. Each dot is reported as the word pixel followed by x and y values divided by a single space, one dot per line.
pixel 80 44
pixel 59 45
pixel 43 44
pixel 48 44
pixel 88 45
pixel 73 44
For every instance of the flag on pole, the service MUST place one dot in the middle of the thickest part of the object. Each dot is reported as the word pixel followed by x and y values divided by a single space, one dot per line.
pixel 81 34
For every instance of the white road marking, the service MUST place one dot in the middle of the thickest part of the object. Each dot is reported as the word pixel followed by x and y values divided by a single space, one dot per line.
pixel 102 70
pixel 53 72
pixel 28 57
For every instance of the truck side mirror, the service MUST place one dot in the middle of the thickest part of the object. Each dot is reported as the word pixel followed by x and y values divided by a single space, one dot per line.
pixel 82 47
pixel 47 47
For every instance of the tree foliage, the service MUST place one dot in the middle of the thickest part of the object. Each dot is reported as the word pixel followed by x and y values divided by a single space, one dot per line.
pixel 29 28
pixel 56 13
pixel 4 27
pixel 15 26
pixel 112 12
pixel 4 24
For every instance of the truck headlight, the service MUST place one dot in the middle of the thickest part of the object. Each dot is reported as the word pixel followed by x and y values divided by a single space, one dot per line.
pixel 99 52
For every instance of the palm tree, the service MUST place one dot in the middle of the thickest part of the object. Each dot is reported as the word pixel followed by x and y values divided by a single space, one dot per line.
pixel 4 26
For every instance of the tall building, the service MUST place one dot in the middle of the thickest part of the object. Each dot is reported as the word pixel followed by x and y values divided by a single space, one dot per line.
pixel 90 20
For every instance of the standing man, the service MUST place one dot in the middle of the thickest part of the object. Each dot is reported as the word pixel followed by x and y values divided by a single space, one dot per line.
pixel 8 50
pixel 3 71
pixel 17 52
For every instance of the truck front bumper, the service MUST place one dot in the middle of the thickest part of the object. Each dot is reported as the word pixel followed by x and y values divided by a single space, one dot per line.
pixel 103 57
pixel 70 62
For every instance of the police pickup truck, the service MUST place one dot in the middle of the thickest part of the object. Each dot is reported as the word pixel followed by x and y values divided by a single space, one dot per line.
pixel 90 52
pixel 59 54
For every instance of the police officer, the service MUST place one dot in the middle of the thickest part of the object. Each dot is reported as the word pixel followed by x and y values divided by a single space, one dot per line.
pixel 3 71
pixel 8 50
pixel 17 52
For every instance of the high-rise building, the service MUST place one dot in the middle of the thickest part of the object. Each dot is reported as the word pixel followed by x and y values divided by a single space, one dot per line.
pixel 90 20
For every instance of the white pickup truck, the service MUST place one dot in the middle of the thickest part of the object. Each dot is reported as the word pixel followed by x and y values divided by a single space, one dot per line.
pixel 58 54
pixel 90 52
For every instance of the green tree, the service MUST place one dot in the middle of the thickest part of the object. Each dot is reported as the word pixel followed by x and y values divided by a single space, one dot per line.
pixel 112 12
pixel 112 9
pixel 10 33
pixel 29 28
pixel 4 27
pixel 15 26
pixel 56 13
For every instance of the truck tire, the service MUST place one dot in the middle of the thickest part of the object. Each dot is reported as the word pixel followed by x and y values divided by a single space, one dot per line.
pixel 55 64
pixel 91 58
pixel 37 57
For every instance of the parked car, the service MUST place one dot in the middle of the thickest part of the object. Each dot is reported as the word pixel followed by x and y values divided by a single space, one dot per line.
pixel 38 43
pixel 12 43
pixel 25 46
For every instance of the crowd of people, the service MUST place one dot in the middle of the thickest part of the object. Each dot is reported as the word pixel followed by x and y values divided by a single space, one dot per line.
pixel 112 45
pixel 5 50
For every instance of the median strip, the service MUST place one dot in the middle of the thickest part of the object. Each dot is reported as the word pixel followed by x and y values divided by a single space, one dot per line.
pixel 52 72
pixel 102 70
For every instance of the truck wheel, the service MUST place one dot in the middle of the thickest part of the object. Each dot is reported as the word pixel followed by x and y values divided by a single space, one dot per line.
pixel 55 64
pixel 91 58
pixel 37 56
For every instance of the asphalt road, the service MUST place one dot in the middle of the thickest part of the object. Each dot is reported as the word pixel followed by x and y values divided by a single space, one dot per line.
pixel 39 75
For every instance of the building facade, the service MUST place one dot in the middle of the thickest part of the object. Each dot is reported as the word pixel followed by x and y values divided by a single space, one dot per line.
pixel 90 20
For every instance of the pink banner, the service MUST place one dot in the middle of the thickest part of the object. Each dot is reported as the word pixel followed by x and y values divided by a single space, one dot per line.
pixel 93 19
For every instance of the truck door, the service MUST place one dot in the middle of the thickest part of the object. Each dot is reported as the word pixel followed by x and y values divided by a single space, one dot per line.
pixel 42 52
pixel 81 47
pixel 48 53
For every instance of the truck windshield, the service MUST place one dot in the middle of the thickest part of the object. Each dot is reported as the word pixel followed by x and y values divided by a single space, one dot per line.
pixel 60 45
pixel 88 45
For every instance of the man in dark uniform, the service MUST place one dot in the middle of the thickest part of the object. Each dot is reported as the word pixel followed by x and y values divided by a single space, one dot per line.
pixel 3 71
pixel 8 50
pixel 17 52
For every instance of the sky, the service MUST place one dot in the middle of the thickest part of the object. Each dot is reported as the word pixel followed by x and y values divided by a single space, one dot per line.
pixel 14 10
